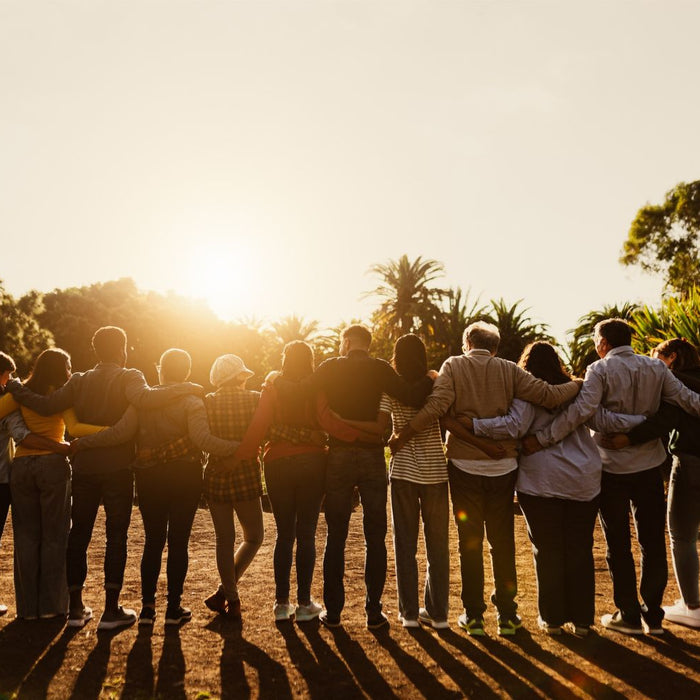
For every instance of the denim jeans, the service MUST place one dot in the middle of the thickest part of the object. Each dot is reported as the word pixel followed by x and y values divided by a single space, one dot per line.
pixel 41 491
pixel 168 497
pixel 645 492
pixel 478 502
pixel 683 522
pixel 408 502
pixel 115 490
pixel 365 468
pixel 295 486
pixel 561 532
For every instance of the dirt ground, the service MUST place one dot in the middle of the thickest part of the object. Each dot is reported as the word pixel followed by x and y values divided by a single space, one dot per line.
pixel 211 658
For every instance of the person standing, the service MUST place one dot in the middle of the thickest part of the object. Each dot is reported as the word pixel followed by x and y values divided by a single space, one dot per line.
pixel 480 385
pixel 626 382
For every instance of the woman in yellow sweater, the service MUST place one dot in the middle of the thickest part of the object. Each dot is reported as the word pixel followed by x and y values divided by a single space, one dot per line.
pixel 40 488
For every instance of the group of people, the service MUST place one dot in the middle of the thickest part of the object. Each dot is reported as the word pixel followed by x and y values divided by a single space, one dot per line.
pixel 570 449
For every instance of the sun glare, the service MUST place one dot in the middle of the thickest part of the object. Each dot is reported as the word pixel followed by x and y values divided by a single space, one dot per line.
pixel 222 278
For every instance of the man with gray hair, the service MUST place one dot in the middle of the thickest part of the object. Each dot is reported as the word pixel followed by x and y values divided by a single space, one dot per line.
pixel 478 384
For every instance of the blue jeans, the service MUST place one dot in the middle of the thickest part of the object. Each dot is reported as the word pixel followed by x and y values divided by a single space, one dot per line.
pixel 41 491
pixel 115 490
pixel 645 492
pixel 365 468
pixel 683 523
pixel 480 502
pixel 561 532
pixel 295 486
pixel 408 502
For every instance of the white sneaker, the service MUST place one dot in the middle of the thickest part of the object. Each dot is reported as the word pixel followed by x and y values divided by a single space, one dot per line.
pixel 304 613
pixel 552 630
pixel 681 614
pixel 425 618
pixel 283 612
pixel 407 622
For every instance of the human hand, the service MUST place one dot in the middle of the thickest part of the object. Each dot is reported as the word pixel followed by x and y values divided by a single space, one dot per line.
pixel 433 374
pixel 530 444
pixel 615 441
pixel 396 442
pixel 467 422
pixel 494 450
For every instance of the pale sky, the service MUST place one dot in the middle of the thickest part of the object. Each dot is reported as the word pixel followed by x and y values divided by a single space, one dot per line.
pixel 264 154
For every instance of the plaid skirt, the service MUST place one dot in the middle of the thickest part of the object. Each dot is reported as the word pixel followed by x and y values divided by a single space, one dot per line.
pixel 243 483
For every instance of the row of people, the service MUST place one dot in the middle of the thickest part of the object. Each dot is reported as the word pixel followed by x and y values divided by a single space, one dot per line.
pixel 558 488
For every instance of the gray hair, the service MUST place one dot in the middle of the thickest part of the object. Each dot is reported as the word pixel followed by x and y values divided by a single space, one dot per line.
pixel 481 336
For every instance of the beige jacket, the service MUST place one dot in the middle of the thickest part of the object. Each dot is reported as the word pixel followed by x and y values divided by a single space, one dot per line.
pixel 479 385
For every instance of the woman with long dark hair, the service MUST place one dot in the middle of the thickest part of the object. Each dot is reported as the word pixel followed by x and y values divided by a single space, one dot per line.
pixel 294 476
pixel 41 496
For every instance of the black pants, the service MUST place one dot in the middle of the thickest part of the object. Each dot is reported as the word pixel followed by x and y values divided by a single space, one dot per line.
pixel 295 486
pixel 645 492
pixel 479 501
pixel 561 532
pixel 115 490
pixel 168 497
pixel 4 505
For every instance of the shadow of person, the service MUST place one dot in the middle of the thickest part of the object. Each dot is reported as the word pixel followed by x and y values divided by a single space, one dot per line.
pixel 637 670
pixel 36 684
pixel 308 665
pixel 22 642
pixel 92 675
pixel 335 678
pixel 674 648
pixel 171 667
pixel 237 653
pixel 138 677
pixel 365 673
pixel 450 664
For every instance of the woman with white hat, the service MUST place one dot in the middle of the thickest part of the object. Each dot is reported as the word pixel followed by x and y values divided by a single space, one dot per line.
pixel 232 486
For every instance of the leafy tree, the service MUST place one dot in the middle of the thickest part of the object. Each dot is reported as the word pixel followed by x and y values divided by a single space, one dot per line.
pixel 516 328
pixel 581 349
pixel 295 328
pixel 21 336
pixel 458 312
pixel 409 304
pixel 664 238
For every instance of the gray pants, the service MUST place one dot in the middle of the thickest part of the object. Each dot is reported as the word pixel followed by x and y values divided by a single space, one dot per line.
pixel 408 502
pixel 40 486
pixel 683 523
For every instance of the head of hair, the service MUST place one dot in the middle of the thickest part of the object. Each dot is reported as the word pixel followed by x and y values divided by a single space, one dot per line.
pixel 7 364
pixel 616 331
pixel 541 360
pixel 51 371
pixel 358 334
pixel 175 365
pixel 481 336
pixel 297 360
pixel 410 359
pixel 109 342
pixel 687 356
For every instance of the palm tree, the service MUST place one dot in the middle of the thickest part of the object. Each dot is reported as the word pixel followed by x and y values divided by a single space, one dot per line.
pixel 409 302
pixel 517 330
pixel 581 349
pixel 295 327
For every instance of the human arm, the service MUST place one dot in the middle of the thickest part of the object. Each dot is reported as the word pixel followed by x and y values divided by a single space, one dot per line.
pixel 57 401
pixel 122 431
pixel 676 392
pixel 441 398
pixel 606 421
pixel 491 448
pixel 409 393
pixel 200 434
pixel 513 424
pixel 78 429
pixel 541 393
pixel 140 395
pixel 657 426
pixel 14 424
pixel 7 405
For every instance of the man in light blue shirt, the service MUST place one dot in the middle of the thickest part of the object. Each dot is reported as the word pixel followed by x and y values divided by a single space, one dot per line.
pixel 625 382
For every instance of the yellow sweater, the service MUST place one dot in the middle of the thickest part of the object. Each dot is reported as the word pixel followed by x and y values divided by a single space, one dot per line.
pixel 51 427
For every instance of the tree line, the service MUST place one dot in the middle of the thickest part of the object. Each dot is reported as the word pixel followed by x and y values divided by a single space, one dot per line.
pixel 663 239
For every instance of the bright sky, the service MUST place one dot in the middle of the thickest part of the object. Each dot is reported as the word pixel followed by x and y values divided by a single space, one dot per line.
pixel 264 153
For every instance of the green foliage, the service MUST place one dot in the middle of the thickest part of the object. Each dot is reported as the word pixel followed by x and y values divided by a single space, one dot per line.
pixel 581 349
pixel 409 302
pixel 21 335
pixel 663 238
pixel 675 318
pixel 517 330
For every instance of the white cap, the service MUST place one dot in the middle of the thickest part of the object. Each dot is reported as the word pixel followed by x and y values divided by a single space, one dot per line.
pixel 227 367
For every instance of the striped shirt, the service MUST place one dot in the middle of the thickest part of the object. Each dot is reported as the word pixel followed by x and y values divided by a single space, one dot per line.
pixel 422 459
